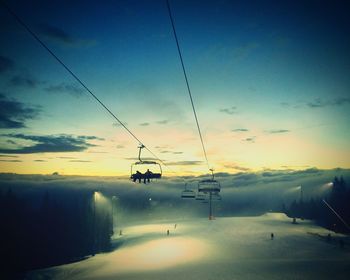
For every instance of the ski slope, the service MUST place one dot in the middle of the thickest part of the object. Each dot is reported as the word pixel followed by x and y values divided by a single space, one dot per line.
pixel 225 248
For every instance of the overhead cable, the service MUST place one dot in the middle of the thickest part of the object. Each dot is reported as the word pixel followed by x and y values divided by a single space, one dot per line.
pixel 187 83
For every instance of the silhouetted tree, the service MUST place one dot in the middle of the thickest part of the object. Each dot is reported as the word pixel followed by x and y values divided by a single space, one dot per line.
pixel 338 198
pixel 57 231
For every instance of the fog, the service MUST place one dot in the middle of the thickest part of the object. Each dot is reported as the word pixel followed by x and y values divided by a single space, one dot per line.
pixel 242 193
pixel 76 217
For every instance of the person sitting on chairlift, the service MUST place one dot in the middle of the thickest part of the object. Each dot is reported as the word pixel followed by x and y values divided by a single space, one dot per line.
pixel 147 177
pixel 137 176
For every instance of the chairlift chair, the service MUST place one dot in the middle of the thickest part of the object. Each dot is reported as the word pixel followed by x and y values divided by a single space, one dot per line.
pixel 201 196
pixel 186 193
pixel 209 185
pixel 154 169
pixel 216 197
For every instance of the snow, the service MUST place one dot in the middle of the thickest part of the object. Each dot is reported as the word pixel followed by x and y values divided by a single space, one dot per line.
pixel 225 248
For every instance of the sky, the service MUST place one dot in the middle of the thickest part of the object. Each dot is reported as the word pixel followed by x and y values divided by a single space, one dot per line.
pixel 269 81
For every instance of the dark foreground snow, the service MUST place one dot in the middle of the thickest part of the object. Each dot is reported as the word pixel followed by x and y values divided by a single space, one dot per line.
pixel 225 248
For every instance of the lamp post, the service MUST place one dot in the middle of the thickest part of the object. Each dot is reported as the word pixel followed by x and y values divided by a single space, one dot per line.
pixel 95 196
pixel 301 203
pixel 210 206
pixel 114 199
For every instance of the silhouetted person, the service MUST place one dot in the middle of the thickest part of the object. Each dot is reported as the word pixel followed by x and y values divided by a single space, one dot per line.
pixel 148 175
pixel 272 236
pixel 137 176
pixel 120 232
pixel 167 232
pixel 175 226
pixel 294 220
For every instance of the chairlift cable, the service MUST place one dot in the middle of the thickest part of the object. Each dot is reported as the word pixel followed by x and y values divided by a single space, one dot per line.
pixel 36 37
pixel 187 83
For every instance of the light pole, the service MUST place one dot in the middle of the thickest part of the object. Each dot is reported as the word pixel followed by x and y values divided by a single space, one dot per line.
pixel 114 199
pixel 210 205
pixel 301 203
pixel 95 196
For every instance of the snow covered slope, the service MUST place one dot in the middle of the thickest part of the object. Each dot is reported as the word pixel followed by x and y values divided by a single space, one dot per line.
pixel 225 248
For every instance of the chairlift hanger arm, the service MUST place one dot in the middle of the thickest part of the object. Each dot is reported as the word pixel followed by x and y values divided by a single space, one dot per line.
pixel 141 146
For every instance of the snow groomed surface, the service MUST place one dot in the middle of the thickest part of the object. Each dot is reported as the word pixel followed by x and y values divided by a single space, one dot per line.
pixel 225 248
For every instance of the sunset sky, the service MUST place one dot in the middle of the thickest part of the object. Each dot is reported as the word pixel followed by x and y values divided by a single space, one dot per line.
pixel 270 82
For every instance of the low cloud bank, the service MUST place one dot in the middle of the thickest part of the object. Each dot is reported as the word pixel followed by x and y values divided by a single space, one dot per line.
pixel 243 193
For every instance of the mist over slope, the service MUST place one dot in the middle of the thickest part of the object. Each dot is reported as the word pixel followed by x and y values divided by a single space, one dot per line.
pixel 242 193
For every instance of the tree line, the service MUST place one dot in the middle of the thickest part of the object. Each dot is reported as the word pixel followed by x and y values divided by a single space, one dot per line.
pixel 316 208
pixel 52 230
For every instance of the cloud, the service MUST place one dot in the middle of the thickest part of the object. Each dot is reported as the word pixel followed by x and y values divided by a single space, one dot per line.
pixel 48 144
pixel 143 158
pixel 240 130
pixel 272 177
pixel 317 103
pixel 320 103
pixel 56 33
pixel 65 88
pixel 120 146
pixel 10 160
pixel 231 110
pixel 24 81
pixel 90 138
pixel 79 160
pixel 40 160
pixel 245 179
pixel 161 147
pixel 291 105
pixel 341 101
pixel 312 170
pixel 166 150
pixel 186 162
pixel 237 167
pixel 162 122
pixel 276 131
pixel 66 157
pixel 14 114
pixel 250 139
pixel 8 156
pixel 243 51
pixel 144 124
pixel 61 37
pixel 245 193
pixel 11 142
pixel 116 124
pixel 6 64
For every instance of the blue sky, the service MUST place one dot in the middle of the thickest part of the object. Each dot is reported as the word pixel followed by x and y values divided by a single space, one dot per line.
pixel 269 81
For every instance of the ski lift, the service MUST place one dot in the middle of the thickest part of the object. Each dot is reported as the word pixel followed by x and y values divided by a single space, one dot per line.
pixel 186 193
pixel 151 169
pixel 201 197
pixel 209 185
pixel 216 196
